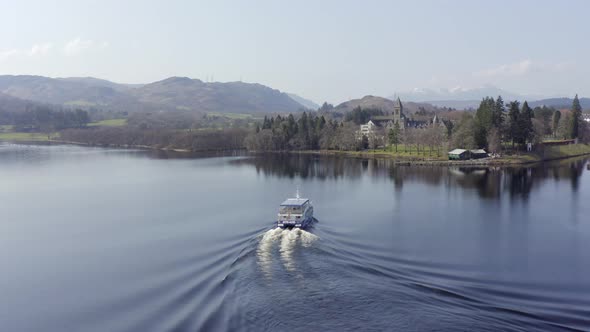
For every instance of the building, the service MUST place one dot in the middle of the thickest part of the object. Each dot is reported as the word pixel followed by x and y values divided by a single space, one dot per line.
pixel 459 154
pixel 586 117
pixel 397 117
pixel 462 154
pixel 367 129
pixel 479 153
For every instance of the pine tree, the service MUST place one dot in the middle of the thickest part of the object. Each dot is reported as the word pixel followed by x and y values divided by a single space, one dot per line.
pixel 576 118
pixel 394 135
pixel 498 114
pixel 513 132
pixel 525 122
pixel 555 122
pixel 484 117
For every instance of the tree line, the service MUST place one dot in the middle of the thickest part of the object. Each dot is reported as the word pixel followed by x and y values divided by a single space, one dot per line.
pixel 495 123
pixel 45 119
pixel 308 132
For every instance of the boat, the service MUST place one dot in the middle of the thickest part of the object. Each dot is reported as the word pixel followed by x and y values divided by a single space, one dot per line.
pixel 295 212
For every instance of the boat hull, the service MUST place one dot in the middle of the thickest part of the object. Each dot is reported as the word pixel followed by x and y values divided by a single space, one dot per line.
pixel 295 223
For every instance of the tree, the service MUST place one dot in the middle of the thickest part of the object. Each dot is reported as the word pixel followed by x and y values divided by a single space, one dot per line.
pixel 494 140
pixel 326 107
pixel 484 120
pixel 498 114
pixel 463 133
pixel 394 136
pixel 555 122
pixel 525 124
pixel 576 118
pixel 513 131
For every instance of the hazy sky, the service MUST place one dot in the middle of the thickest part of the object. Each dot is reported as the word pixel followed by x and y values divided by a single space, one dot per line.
pixel 323 50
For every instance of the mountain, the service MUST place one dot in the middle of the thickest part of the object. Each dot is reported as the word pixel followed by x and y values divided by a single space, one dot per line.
pixel 183 93
pixel 560 103
pixel 384 104
pixel 305 102
pixel 174 93
pixel 460 98
pixel 14 104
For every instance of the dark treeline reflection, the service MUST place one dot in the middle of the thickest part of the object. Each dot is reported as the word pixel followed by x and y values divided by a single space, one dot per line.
pixel 489 182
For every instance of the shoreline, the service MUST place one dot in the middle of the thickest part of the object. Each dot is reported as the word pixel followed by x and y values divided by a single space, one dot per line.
pixel 513 160
pixel 424 161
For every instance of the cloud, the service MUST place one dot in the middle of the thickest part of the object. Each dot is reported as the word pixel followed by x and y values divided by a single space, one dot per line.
pixel 35 50
pixel 77 46
pixel 521 68
pixel 40 49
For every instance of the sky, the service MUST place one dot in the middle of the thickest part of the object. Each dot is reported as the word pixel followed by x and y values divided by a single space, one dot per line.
pixel 323 50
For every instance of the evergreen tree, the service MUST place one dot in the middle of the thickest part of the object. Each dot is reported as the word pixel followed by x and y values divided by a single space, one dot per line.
pixel 498 114
pixel 484 117
pixel 576 118
pixel 394 134
pixel 555 122
pixel 513 132
pixel 525 124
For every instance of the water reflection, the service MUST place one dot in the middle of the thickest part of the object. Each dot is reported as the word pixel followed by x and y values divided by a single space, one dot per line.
pixel 488 182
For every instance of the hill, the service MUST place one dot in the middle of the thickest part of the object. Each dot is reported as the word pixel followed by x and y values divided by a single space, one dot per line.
pixel 560 103
pixel 175 93
pixel 384 104
pixel 305 102
pixel 183 93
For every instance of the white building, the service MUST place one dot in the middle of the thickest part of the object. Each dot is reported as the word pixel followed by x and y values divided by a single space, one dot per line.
pixel 367 128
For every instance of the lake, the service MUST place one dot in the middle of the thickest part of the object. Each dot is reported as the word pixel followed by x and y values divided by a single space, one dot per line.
pixel 96 239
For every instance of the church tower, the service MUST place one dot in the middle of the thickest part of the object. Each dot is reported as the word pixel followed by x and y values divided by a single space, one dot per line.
pixel 398 113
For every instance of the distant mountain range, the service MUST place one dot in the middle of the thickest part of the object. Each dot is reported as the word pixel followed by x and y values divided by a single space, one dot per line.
pixel 460 98
pixel 560 103
pixel 174 93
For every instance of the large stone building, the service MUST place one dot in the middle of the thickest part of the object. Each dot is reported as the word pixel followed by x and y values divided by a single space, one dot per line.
pixel 388 121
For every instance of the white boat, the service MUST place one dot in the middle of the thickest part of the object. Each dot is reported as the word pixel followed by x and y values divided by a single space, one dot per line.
pixel 295 212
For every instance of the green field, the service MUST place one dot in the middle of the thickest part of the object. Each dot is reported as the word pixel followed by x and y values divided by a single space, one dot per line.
pixel 26 136
pixel 109 123
pixel 230 115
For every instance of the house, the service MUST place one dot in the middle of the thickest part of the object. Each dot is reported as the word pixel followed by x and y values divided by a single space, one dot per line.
pixel 478 153
pixel 367 129
pixel 459 154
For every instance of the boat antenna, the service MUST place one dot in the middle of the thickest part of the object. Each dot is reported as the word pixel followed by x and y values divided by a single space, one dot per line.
pixel 297 192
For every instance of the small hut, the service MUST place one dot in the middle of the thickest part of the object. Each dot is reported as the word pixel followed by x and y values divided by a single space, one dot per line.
pixel 479 153
pixel 459 154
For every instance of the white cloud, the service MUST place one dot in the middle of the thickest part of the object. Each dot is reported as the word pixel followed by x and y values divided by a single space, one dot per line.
pixel 35 50
pixel 40 49
pixel 521 68
pixel 77 46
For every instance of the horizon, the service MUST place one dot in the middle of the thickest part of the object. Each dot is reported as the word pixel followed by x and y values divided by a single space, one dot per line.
pixel 330 51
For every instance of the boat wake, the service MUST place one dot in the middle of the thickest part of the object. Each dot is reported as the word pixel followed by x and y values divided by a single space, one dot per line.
pixel 288 240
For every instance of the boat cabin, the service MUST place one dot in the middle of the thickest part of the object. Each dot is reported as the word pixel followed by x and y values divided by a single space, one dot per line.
pixel 294 206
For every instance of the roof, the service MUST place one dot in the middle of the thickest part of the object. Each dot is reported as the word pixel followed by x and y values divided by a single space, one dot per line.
pixel 294 201
pixel 478 151
pixel 457 151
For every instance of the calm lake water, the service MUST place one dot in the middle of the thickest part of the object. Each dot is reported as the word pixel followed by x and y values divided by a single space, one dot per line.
pixel 98 239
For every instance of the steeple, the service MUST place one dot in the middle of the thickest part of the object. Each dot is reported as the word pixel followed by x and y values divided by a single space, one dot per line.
pixel 398 104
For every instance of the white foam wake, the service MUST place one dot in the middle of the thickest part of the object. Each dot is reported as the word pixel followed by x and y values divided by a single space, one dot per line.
pixel 264 251
pixel 289 238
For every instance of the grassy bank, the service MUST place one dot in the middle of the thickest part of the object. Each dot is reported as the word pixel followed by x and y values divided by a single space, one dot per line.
pixel 413 158
pixel 13 136
pixel 547 153
pixel 109 123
